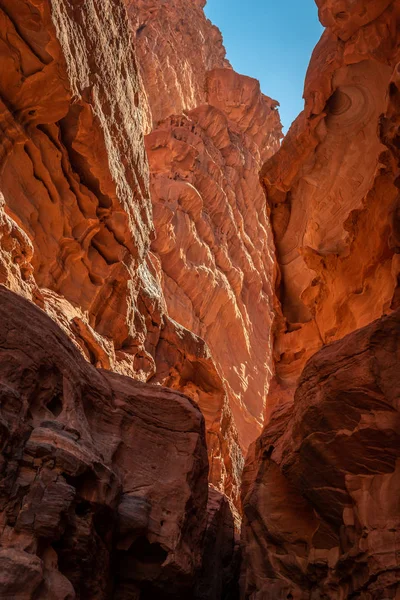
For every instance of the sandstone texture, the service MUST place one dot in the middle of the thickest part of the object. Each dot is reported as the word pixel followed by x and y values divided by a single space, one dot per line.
pixel 76 219
pixel 332 189
pixel 76 226
pixel 196 284
pixel 76 212
pixel 103 488
pixel 321 516
pixel 321 485
pixel 210 135
pixel 176 46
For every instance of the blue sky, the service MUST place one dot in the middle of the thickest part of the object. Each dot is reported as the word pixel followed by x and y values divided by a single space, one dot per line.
pixel 270 40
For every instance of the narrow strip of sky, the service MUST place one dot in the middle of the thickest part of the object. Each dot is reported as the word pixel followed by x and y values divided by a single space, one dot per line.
pixel 271 40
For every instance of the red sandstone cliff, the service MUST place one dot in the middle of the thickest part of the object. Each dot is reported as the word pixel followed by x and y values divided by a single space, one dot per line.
pixel 321 519
pixel 133 214
pixel 211 132
pixel 181 301
pixel 76 211
pixel 76 228
pixel 332 190
pixel 321 486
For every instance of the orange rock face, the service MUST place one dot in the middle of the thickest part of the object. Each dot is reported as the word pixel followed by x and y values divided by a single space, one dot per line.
pixel 176 45
pixel 213 239
pixel 332 190
pixel 320 515
pixel 76 214
pixel 76 219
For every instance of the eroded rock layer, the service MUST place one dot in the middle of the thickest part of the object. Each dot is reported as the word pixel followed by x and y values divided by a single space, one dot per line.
pixel 76 220
pixel 322 516
pixel 176 45
pixel 103 479
pixel 75 211
pixel 210 135
pixel 332 189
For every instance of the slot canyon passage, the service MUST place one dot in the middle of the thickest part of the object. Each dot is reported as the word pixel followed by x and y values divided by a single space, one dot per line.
pixel 199 318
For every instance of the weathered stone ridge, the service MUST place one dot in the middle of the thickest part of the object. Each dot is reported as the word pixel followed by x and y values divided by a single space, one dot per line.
pixel 211 133
pixel 74 177
pixel 176 46
pixel 332 189
pixel 320 491
pixel 104 479
pixel 76 216
pixel 321 519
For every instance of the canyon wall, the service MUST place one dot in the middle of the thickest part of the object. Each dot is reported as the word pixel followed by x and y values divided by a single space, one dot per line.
pixel 143 287
pixel 161 274
pixel 321 519
pixel 321 486
pixel 332 190
pixel 211 132
pixel 183 301
pixel 91 506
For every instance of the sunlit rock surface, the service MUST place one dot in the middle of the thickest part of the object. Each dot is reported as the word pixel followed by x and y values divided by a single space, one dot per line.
pixel 76 220
pixel 321 519
pixel 332 189
pixel 176 45
pixel 210 135
pixel 76 212
pixel 75 232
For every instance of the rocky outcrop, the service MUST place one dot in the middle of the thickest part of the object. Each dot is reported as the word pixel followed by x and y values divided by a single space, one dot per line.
pixel 103 479
pixel 213 235
pixel 176 46
pixel 76 226
pixel 320 516
pixel 332 189
pixel 210 135
pixel 321 486
pixel 76 213
pixel 76 219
